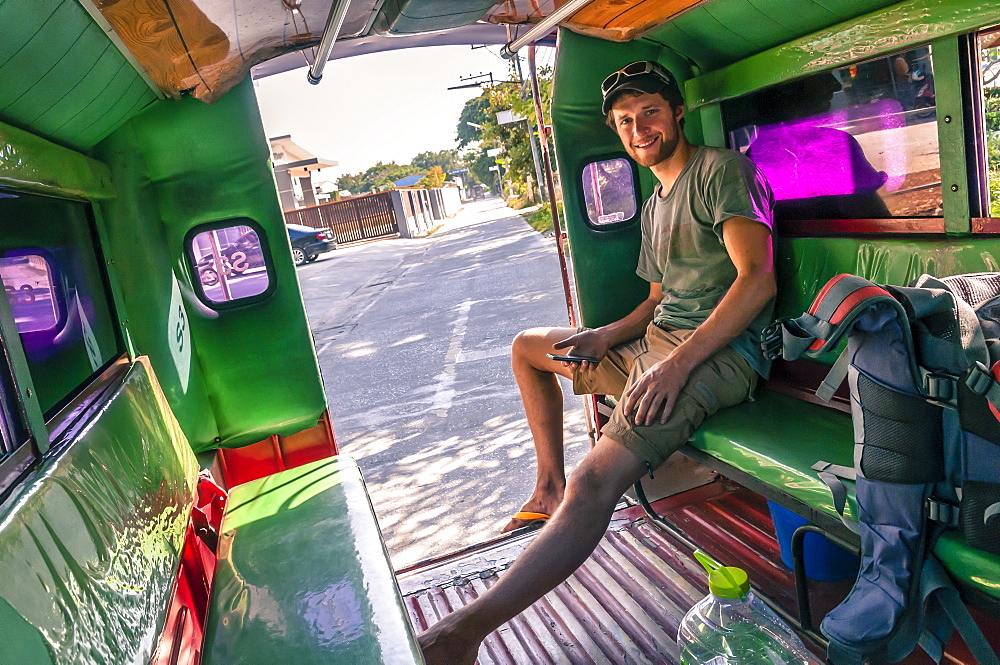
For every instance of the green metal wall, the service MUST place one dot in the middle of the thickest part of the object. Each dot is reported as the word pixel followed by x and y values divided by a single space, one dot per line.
pixel 179 164
pixel 63 79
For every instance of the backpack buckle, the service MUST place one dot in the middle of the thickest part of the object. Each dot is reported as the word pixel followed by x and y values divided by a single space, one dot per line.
pixel 771 339
pixel 940 386
pixel 980 379
pixel 942 511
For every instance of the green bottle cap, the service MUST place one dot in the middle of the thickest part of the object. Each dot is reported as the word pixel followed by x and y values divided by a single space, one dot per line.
pixel 724 581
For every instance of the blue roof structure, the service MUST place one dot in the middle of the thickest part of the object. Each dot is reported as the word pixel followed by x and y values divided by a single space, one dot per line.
pixel 410 180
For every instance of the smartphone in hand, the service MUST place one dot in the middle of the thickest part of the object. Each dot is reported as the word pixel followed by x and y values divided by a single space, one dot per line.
pixel 572 359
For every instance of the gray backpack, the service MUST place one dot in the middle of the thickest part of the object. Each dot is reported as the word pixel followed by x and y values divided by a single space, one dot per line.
pixel 922 366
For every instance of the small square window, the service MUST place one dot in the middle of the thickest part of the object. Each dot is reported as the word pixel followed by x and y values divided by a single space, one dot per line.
pixel 28 280
pixel 230 263
pixel 609 192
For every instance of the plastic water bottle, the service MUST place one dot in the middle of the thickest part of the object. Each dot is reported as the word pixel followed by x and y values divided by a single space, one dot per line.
pixel 731 626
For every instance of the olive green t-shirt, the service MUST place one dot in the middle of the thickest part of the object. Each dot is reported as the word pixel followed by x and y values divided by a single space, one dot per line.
pixel 682 245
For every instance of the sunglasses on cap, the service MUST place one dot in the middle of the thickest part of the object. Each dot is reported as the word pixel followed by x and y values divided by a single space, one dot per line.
pixel 640 68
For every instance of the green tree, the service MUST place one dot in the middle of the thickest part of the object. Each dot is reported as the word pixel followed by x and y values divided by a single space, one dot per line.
pixel 478 122
pixel 448 160
pixel 377 177
pixel 352 182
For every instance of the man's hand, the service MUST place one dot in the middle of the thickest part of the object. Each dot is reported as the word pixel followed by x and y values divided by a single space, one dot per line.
pixel 656 389
pixel 589 343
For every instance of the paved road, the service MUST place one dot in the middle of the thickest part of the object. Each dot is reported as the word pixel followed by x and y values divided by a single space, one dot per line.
pixel 413 338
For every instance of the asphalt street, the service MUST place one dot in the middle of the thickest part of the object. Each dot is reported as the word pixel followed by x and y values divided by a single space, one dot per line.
pixel 413 338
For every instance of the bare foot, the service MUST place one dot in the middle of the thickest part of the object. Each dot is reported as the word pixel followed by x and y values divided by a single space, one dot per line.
pixel 444 644
pixel 542 504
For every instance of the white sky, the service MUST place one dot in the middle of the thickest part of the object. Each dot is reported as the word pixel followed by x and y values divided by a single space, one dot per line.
pixel 384 107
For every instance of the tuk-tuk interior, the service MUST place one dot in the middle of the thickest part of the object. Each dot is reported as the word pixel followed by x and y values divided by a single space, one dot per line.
pixel 130 128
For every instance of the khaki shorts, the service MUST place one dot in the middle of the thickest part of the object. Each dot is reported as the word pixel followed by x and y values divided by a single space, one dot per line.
pixel 725 379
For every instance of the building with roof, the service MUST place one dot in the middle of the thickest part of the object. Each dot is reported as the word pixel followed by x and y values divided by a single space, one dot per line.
pixel 293 171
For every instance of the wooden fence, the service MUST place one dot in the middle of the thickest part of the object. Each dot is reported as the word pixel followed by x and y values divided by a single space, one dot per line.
pixel 351 220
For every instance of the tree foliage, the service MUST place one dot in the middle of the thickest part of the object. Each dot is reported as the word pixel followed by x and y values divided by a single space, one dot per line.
pixel 478 122
pixel 376 178
pixel 448 160
pixel 434 178
pixel 990 59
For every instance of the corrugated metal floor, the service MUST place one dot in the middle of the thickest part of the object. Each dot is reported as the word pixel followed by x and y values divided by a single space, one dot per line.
pixel 625 603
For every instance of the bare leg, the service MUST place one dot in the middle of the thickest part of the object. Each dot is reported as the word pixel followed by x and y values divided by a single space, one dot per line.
pixel 558 549
pixel 543 407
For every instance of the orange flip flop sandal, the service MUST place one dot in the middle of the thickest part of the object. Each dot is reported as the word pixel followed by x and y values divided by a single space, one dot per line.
pixel 531 517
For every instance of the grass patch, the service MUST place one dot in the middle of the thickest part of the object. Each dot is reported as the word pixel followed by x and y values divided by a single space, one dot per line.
pixel 541 219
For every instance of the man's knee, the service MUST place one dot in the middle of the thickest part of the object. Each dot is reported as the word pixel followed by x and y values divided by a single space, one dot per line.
pixel 605 473
pixel 532 344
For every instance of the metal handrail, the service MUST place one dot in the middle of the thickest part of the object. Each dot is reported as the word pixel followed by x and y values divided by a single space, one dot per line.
pixel 334 22
pixel 543 27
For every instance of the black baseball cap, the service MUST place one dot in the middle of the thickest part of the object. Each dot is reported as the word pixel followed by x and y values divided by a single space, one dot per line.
pixel 641 76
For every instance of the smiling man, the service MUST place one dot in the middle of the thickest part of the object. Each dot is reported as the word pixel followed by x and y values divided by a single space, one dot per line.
pixel 686 351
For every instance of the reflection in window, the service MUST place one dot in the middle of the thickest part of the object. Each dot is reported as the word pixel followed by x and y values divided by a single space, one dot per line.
pixel 854 143
pixel 989 56
pixel 230 263
pixel 57 293
pixel 27 279
pixel 609 192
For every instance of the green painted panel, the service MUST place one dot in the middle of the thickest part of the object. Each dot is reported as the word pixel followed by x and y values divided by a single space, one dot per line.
pixel 28 21
pixel 34 164
pixel 62 78
pixel 760 439
pixel 406 17
pixel 905 24
pixel 951 135
pixel 260 378
pixel 134 237
pixel 123 98
pixel 303 576
pixel 65 110
pixel 721 32
pixel 805 264
pixel 977 569
pixel 40 54
pixel 65 73
pixel 90 540
pixel 604 262
pixel 746 22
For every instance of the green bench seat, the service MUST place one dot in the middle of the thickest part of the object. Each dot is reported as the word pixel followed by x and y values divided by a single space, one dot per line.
pixel 774 441
pixel 303 576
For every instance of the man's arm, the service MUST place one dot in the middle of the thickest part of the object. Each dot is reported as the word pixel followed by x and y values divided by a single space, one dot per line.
pixel 751 249
pixel 595 343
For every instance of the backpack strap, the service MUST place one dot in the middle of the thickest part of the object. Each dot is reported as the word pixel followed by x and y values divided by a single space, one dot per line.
pixel 820 329
pixel 833 476
pixel 946 613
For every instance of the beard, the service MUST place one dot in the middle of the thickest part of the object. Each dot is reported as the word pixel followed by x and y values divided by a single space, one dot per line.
pixel 647 158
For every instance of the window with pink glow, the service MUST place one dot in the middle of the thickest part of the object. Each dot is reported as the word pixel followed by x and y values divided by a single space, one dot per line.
pixel 858 142
pixel 609 192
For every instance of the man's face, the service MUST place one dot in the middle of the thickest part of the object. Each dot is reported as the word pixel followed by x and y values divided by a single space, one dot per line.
pixel 648 127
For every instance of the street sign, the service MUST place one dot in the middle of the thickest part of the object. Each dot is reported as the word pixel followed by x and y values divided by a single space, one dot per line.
pixel 507 117
pixel 458 171
pixel 494 168
pixel 493 152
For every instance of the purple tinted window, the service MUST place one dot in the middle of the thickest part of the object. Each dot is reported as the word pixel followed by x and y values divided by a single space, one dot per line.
pixel 28 281
pixel 609 192
pixel 857 142
pixel 230 263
